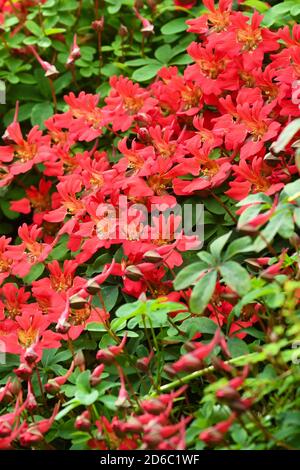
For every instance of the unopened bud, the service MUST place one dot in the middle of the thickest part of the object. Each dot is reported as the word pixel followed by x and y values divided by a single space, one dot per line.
pixel 170 371
pixel 152 257
pixel 92 287
pixel 133 273
pixel 211 436
pixel 52 387
pixel 227 393
pixel 98 25
pixel 82 422
pixel 63 327
pixel 240 406
pixel 123 31
pixel 77 302
pixel 105 356
pixel 24 371
pixel 154 406
pixel 30 355
pixel 5 429
pixel 15 387
pixel 79 360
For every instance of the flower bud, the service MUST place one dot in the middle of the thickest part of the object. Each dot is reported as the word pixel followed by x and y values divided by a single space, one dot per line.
pixel 82 422
pixel 15 387
pixel 92 287
pixel 5 429
pixel 169 370
pixel 153 406
pixel 32 403
pixel 123 31
pixel 240 406
pixel 98 25
pixel 24 371
pixel 30 437
pixel 133 273
pixel 63 327
pixel 95 378
pixel 30 355
pixel 211 436
pixel 77 302
pixel 152 257
pixel 79 360
pixel 52 387
pixel 227 393
pixel 105 356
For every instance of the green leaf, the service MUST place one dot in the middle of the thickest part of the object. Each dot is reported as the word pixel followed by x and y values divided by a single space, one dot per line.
pixel 254 199
pixel 66 410
pixel 217 245
pixel 236 277
pixel 110 296
pixel 41 112
pixel 297 216
pixel 188 275
pixel 95 326
pixel 292 190
pixel 257 5
pixel 146 73
pixel 286 136
pixel 44 42
pixel 35 272
pixel 240 245
pixel 268 233
pixel 5 207
pixel 163 53
pixel 237 347
pixel 198 325
pixel 34 28
pixel 50 31
pixel 84 393
pixel 182 59
pixel 174 26
pixel 98 264
pixel 202 292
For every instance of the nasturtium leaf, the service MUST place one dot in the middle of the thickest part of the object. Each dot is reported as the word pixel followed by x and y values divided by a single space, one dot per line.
pixel 40 113
pixel 174 26
pixel 236 277
pixel 203 292
pixel 188 275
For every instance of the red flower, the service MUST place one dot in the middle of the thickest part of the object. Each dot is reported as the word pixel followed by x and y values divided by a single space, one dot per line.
pixel 213 71
pixel 22 153
pixel 216 21
pixel 30 331
pixel 125 101
pixel 29 252
pixel 255 177
pixel 85 119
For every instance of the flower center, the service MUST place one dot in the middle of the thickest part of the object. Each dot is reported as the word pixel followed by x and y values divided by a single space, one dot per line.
pixel 249 38
pixel 26 152
pixel 219 20
pixel 133 105
pixel 27 337
pixel 78 317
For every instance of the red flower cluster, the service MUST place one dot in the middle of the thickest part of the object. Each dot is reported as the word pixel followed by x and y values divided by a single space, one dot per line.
pixel 210 128
pixel 187 134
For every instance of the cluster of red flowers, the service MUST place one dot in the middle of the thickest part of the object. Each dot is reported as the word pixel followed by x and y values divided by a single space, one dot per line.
pixel 184 135
pixel 20 7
